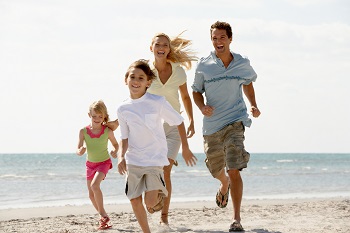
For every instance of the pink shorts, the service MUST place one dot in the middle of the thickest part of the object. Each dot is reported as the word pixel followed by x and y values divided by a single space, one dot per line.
pixel 92 168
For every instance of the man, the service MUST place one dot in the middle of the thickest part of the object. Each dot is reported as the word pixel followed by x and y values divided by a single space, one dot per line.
pixel 222 76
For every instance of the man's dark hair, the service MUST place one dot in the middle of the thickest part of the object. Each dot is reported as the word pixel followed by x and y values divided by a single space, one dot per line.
pixel 222 25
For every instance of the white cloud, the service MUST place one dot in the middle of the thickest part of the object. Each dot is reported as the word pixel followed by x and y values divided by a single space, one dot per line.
pixel 303 3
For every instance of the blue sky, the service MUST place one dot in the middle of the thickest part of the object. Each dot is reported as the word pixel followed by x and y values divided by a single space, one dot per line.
pixel 59 56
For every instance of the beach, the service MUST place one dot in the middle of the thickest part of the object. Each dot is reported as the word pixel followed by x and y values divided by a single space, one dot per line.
pixel 258 216
pixel 282 193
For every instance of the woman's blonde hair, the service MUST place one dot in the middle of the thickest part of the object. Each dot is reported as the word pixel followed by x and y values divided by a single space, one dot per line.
pixel 100 108
pixel 179 51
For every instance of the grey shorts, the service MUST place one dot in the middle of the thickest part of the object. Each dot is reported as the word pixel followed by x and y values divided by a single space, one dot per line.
pixel 143 179
pixel 173 140
pixel 225 148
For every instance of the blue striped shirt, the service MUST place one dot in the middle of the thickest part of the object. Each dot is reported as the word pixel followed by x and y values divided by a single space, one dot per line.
pixel 223 90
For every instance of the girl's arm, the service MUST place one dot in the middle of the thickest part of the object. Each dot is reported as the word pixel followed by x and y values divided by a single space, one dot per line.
pixel 121 156
pixel 187 154
pixel 114 142
pixel 81 149
pixel 186 99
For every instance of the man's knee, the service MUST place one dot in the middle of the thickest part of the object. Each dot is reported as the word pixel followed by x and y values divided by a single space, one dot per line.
pixel 234 174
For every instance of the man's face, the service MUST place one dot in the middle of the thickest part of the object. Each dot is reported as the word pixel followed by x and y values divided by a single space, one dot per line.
pixel 220 41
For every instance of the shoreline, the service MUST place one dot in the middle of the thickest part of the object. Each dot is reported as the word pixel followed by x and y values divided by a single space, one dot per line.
pixel 262 216
pixel 55 211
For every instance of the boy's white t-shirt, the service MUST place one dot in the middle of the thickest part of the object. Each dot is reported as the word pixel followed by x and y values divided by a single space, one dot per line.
pixel 141 122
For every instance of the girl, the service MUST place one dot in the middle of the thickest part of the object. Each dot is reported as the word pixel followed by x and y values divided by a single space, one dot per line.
pixel 144 149
pixel 98 162
pixel 169 57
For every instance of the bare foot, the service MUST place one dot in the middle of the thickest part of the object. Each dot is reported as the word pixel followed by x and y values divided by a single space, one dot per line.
pixel 164 219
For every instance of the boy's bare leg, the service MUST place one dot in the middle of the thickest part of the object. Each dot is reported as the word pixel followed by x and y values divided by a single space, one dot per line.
pixel 140 213
pixel 151 198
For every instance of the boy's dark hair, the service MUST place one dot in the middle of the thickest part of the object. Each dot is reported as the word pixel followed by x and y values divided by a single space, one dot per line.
pixel 222 25
pixel 143 65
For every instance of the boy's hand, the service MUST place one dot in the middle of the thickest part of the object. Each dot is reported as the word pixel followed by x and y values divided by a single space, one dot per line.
pixel 113 125
pixel 121 165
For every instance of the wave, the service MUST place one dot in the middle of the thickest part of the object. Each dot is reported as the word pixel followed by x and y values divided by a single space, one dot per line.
pixel 285 160
pixel 10 176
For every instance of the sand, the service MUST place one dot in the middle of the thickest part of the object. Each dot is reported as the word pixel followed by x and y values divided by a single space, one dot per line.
pixel 258 216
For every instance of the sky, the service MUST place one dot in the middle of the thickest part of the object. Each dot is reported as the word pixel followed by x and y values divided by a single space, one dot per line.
pixel 58 56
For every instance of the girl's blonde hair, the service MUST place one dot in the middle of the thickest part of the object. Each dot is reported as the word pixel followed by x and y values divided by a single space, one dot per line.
pixel 179 51
pixel 100 108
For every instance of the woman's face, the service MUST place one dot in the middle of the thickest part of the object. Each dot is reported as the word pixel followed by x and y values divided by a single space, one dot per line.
pixel 160 47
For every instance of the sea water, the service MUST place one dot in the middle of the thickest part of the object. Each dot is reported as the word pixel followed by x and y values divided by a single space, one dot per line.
pixel 34 180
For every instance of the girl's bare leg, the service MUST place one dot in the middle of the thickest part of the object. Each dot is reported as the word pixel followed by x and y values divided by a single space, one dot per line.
pixel 91 194
pixel 98 196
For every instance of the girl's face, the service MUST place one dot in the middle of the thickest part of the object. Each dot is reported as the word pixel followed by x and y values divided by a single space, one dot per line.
pixel 160 47
pixel 137 82
pixel 96 118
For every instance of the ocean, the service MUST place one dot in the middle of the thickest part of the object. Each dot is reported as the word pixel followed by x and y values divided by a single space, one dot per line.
pixel 38 180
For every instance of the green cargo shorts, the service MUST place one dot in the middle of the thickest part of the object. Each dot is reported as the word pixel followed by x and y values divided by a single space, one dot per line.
pixel 225 149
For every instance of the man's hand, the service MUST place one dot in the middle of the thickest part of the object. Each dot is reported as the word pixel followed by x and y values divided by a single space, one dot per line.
pixel 207 110
pixel 255 111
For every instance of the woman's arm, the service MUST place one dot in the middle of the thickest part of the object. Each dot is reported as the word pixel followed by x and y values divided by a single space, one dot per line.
pixel 186 99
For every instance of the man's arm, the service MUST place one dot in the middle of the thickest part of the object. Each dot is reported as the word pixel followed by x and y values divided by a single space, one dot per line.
pixel 199 101
pixel 250 94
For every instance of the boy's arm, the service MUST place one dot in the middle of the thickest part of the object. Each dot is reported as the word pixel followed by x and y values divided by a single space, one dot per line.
pixel 121 156
pixel 81 149
pixel 114 142
pixel 187 154
pixel 250 94
pixel 113 125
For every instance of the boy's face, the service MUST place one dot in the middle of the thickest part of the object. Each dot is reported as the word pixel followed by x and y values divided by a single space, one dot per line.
pixel 220 41
pixel 137 82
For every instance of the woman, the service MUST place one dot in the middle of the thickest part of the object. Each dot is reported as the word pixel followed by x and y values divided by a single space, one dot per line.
pixel 170 56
